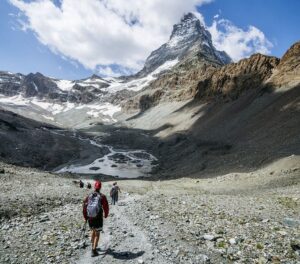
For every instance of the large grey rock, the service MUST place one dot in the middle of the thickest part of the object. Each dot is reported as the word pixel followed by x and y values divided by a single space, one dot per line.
pixel 291 222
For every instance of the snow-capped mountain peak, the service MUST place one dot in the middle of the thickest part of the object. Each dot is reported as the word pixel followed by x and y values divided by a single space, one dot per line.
pixel 188 38
pixel 188 28
pixel 189 41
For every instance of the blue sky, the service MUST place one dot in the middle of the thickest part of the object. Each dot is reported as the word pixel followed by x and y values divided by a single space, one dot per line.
pixel 278 19
pixel 21 51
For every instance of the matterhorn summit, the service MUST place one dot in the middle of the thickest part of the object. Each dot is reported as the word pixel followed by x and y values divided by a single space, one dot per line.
pixel 188 30
pixel 188 38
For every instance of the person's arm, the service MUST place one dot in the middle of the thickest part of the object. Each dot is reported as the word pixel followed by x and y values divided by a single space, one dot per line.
pixel 84 209
pixel 105 205
pixel 119 189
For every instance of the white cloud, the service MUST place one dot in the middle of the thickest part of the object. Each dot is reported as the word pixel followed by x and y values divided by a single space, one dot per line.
pixel 106 71
pixel 104 32
pixel 112 71
pixel 122 33
pixel 238 43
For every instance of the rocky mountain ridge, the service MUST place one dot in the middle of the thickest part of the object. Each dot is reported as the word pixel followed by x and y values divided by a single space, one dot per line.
pixel 257 72
pixel 189 53
pixel 43 87
pixel 212 82
pixel 188 38
pixel 232 80
pixel 206 113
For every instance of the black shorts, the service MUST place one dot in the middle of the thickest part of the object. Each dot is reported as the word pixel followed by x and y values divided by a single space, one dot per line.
pixel 96 223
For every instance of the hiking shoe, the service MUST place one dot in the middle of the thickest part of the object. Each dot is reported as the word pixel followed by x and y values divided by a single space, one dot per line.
pixel 95 253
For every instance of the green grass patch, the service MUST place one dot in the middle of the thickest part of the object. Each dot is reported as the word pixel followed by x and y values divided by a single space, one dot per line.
pixel 288 202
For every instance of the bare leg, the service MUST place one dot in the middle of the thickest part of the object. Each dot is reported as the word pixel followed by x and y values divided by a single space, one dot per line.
pixel 96 239
pixel 92 237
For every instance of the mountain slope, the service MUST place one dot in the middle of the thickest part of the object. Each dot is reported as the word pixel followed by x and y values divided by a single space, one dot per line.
pixel 42 87
pixel 232 80
pixel 191 44
pixel 188 54
pixel 29 143
pixel 206 117
pixel 242 116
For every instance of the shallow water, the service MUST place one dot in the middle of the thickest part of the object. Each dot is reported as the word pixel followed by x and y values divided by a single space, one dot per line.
pixel 118 163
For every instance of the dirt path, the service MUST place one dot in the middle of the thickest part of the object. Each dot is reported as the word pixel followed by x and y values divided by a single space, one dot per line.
pixel 122 240
pixel 241 218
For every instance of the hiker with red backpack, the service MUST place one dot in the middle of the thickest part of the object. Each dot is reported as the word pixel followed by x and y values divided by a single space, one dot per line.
pixel 94 206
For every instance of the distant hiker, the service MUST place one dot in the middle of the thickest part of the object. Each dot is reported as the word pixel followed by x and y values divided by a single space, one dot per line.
pixel 89 186
pixel 114 193
pixel 94 205
pixel 81 184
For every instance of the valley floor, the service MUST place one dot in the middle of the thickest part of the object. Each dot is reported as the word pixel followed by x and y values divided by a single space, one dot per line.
pixel 234 218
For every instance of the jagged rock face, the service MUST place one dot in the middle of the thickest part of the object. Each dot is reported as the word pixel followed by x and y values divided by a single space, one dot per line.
pixel 28 85
pixel 176 85
pixel 209 82
pixel 42 87
pixel 288 71
pixel 291 59
pixel 191 44
pixel 188 39
pixel 233 79
pixel 10 83
pixel 37 85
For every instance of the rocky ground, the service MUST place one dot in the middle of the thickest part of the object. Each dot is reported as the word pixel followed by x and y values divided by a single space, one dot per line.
pixel 234 218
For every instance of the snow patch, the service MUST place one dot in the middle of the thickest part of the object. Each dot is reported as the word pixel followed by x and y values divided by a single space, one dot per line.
pixel 64 85
pixel 139 84
pixel 96 85
pixel 184 33
pixel 166 66
pixel 205 43
pixel 35 86
pixel 53 108
pixel 41 104
pixel 48 117
pixel 68 106
pixel 105 109
pixel 174 41
pixel 89 80
pixel 14 100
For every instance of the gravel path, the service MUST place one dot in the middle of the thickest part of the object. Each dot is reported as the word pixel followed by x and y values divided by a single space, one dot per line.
pixel 122 240
pixel 238 218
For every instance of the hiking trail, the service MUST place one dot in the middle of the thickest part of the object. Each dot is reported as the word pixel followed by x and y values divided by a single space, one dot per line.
pixel 122 240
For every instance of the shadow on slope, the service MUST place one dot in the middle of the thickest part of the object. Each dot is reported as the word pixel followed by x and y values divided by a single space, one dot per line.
pixel 26 142
pixel 241 135
pixel 236 136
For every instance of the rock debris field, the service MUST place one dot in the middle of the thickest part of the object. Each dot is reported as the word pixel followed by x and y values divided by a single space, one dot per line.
pixel 235 218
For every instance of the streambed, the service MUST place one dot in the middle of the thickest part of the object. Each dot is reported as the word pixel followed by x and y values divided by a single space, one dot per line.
pixel 117 163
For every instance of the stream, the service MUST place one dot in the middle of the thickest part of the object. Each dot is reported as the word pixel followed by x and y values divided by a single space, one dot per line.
pixel 117 163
